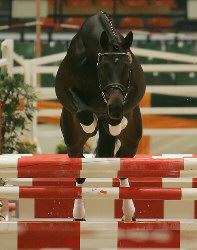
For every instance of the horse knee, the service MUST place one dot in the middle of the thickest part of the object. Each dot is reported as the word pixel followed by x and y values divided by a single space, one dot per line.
pixel 106 143
pixel 85 117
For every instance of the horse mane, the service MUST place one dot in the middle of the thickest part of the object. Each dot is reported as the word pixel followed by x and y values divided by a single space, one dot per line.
pixel 110 28
pixel 107 17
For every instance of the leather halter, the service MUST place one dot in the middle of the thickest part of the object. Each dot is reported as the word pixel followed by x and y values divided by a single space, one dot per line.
pixel 121 87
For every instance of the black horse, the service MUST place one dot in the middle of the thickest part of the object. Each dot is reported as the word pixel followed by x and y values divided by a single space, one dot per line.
pixel 100 84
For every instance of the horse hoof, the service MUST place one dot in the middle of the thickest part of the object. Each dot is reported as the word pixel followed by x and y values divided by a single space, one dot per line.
pixel 83 219
pixel 126 220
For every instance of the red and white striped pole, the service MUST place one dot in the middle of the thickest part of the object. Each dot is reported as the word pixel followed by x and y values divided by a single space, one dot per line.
pixel 107 182
pixel 56 166
pixel 13 26
pixel 98 193
pixel 29 24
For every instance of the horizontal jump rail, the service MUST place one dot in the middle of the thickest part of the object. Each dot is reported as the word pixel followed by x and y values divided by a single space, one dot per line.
pixel 61 173
pixel 107 182
pixel 114 193
pixel 28 24
pixel 55 172
pixel 47 166
pixel 98 235
pixel 165 55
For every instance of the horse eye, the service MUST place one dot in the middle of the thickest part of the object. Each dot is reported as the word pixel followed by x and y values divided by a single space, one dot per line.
pixel 115 47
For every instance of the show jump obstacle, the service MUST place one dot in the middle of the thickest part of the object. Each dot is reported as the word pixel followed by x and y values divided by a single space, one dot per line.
pixel 162 187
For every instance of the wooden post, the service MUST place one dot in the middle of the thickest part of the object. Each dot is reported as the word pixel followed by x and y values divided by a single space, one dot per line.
pixel 38 32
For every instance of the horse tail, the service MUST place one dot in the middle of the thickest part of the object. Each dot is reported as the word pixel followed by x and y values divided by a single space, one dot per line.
pixel 106 142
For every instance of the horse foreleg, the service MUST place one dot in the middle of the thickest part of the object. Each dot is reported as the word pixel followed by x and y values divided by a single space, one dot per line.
pixel 79 205
pixel 128 207
pixel 106 142
pixel 87 119
pixel 130 138
pixel 74 138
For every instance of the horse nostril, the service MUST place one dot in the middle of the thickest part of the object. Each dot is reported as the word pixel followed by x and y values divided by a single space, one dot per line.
pixel 115 111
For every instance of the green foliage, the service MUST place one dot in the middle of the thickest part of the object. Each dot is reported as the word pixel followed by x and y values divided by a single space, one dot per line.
pixel 18 106
pixel 62 149
pixel 25 147
pixel 2 182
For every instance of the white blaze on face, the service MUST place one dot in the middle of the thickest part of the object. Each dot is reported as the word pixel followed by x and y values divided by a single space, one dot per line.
pixel 116 130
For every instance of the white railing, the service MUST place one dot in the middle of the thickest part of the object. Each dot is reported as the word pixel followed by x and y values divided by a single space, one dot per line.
pixel 30 69
pixel 7 56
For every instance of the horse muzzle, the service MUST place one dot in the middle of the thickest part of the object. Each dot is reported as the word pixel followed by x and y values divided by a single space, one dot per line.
pixel 115 111
pixel 115 104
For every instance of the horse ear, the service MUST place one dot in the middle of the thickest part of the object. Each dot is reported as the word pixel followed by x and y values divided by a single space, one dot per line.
pixel 127 40
pixel 104 41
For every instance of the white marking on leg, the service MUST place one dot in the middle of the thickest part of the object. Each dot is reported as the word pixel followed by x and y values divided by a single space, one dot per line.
pixel 128 207
pixel 79 207
pixel 124 123
pixel 90 128
pixel 95 120
pixel 115 130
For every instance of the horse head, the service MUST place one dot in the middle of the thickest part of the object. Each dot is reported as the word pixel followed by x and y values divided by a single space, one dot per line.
pixel 114 73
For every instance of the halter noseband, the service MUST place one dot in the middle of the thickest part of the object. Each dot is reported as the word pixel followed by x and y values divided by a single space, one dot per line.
pixel 121 87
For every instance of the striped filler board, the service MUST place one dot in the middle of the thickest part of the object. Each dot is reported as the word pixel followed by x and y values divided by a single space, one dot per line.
pixel 108 209
pixel 98 235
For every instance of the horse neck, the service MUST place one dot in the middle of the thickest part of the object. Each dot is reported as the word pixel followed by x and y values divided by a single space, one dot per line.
pixel 90 34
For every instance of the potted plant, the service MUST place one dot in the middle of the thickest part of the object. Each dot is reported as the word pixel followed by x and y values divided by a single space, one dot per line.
pixel 62 149
pixel 17 106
